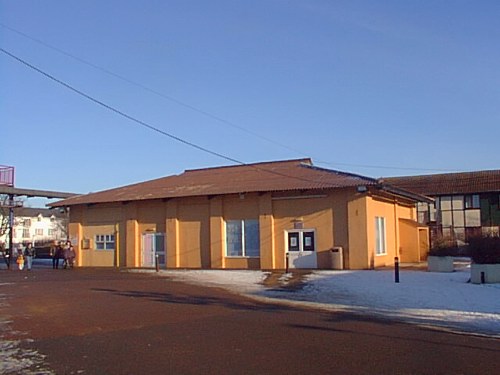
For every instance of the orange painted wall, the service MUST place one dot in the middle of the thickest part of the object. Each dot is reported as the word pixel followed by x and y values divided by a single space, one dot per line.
pixel 313 213
pixel 358 233
pixel 194 232
pixel 363 209
pixel 195 228
pixel 85 223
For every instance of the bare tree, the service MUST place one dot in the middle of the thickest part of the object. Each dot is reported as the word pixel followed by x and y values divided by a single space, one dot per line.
pixel 60 226
pixel 4 214
pixel 5 226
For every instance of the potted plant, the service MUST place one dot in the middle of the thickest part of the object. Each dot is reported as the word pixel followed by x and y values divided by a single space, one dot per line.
pixel 485 254
pixel 440 257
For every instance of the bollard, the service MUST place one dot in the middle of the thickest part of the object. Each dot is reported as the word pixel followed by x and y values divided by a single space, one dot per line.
pixel 483 278
pixel 157 263
pixel 396 270
pixel 286 263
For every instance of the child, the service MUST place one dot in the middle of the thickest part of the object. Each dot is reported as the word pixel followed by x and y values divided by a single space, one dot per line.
pixel 20 261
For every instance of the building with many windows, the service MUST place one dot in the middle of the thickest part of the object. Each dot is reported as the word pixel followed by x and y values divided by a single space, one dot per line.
pixel 39 226
pixel 258 216
pixel 466 204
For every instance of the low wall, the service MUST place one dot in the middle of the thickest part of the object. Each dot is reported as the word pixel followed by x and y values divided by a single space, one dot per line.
pixel 440 264
pixel 491 273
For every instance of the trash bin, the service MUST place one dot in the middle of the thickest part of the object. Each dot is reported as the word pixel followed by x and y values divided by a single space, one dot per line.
pixel 337 258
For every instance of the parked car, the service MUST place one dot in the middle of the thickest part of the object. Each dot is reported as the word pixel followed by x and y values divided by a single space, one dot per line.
pixel 42 252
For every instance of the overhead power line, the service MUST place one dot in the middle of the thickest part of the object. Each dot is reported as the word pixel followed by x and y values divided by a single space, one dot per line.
pixel 206 113
pixel 152 91
pixel 117 111
pixel 142 123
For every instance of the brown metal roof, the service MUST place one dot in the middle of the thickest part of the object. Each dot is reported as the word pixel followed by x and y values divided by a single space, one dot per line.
pixel 449 183
pixel 287 175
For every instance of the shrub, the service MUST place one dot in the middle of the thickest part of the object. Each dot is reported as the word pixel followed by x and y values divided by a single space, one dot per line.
pixel 444 246
pixel 485 250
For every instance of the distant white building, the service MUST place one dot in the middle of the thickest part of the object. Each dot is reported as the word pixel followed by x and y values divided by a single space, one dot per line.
pixel 39 226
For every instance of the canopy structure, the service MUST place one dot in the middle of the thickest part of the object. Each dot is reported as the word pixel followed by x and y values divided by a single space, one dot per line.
pixel 31 193
pixel 11 200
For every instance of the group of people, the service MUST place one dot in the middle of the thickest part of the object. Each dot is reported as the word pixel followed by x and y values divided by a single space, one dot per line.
pixel 25 257
pixel 66 252
pixel 58 251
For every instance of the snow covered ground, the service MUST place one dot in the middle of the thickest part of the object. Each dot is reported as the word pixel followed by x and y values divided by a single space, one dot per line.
pixel 444 300
pixel 13 359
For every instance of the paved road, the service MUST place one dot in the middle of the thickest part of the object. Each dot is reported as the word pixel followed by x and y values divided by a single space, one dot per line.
pixel 102 321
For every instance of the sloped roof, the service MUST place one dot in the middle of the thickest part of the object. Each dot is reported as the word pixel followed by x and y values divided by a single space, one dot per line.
pixel 449 183
pixel 35 211
pixel 287 175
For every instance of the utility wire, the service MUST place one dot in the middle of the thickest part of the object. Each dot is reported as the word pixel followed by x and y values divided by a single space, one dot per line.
pixel 205 113
pixel 117 111
pixel 148 126
pixel 155 92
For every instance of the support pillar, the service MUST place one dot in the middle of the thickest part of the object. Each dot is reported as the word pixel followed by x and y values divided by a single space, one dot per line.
pixel 172 231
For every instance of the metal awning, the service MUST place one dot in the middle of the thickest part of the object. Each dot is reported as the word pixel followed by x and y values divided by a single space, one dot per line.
pixel 31 193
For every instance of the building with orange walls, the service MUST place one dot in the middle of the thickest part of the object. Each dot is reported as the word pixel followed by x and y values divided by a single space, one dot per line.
pixel 271 215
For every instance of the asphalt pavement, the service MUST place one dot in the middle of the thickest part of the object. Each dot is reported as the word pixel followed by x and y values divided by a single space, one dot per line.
pixel 109 321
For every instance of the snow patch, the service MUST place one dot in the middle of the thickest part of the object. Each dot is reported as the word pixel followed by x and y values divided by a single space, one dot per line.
pixel 445 300
pixel 14 359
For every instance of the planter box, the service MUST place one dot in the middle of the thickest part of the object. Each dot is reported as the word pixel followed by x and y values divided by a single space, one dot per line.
pixel 439 264
pixel 491 273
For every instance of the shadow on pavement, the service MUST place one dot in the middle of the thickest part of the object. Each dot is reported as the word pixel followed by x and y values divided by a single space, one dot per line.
pixel 196 300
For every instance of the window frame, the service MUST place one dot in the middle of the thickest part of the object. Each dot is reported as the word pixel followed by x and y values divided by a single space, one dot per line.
pixel 243 241
pixel 472 202
pixel 380 236
pixel 106 240
pixel 301 240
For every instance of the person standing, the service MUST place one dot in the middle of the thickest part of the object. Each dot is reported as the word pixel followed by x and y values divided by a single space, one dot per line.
pixel 29 254
pixel 65 254
pixel 55 253
pixel 66 251
pixel 71 257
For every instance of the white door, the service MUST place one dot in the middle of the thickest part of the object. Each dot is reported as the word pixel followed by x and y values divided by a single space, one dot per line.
pixel 153 246
pixel 301 250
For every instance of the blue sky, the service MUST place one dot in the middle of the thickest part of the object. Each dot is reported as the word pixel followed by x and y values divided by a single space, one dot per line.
pixel 379 88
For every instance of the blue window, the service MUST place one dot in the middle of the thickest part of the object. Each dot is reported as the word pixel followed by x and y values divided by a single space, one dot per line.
pixel 242 238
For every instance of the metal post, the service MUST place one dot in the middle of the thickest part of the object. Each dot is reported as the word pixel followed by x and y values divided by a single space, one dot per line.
pixel 286 263
pixel 396 269
pixel 157 263
pixel 10 251
pixel 483 278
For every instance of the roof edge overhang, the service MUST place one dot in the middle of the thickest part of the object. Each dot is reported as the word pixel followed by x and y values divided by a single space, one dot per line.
pixel 405 194
pixel 300 192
